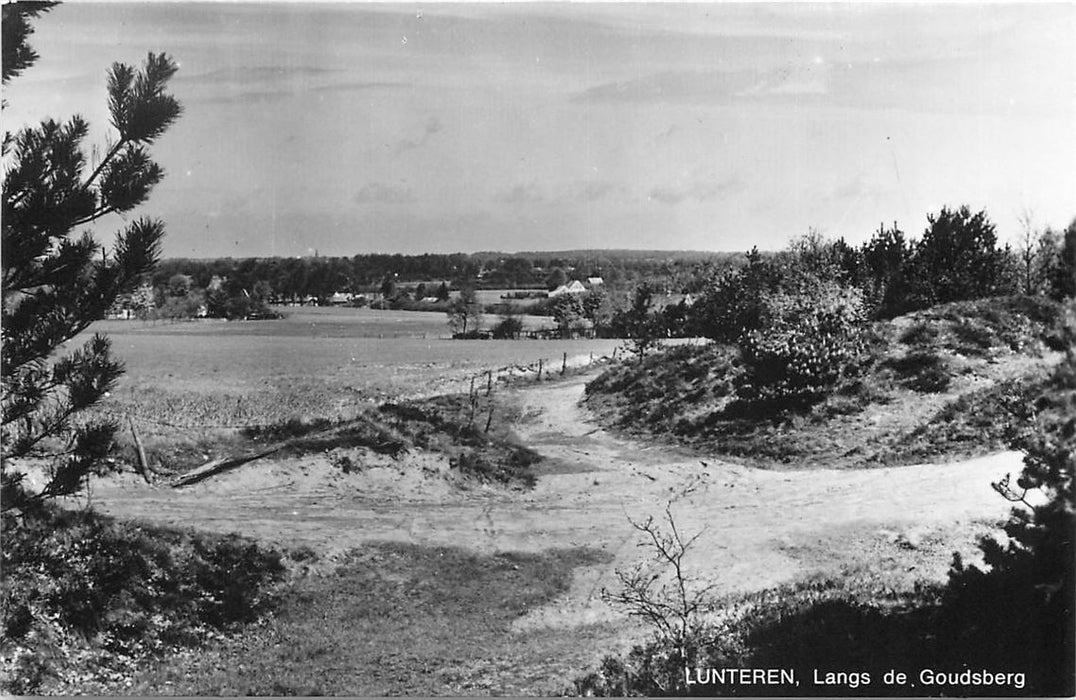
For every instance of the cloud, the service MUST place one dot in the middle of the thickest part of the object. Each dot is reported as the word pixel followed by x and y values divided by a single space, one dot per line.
pixel 256 84
pixel 433 126
pixel 529 193
pixel 793 79
pixel 672 86
pixel 591 190
pixel 855 189
pixel 357 86
pixel 699 191
pixel 245 75
pixel 579 192
pixel 383 193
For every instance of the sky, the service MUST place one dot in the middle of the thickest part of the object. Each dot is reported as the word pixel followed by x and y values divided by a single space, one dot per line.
pixel 351 128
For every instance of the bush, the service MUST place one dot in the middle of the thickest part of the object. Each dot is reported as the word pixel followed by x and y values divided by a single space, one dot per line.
pixel 807 343
pixel 79 579
pixel 508 328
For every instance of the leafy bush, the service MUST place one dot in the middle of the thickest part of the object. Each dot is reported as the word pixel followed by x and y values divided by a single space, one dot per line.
pixel 79 580
pixel 807 343
pixel 508 328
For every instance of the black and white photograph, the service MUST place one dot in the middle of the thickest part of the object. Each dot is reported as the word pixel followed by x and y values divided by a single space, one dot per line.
pixel 538 349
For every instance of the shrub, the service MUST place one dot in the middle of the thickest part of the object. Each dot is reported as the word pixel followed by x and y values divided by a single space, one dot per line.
pixel 508 328
pixel 808 341
pixel 79 579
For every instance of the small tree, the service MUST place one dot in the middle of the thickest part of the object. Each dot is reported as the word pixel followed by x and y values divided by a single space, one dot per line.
pixel 556 278
pixel 640 323
pixel 464 312
pixel 388 287
pixel 661 592
pixel 568 313
pixel 56 284
pixel 957 259
pixel 509 327
pixel 885 262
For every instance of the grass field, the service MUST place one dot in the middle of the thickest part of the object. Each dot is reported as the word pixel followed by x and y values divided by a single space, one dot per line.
pixel 189 384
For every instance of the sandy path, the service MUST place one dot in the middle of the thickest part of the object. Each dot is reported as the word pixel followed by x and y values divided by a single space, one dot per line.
pixel 760 528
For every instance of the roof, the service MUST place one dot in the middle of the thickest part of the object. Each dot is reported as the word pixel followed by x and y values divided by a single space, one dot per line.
pixel 574 287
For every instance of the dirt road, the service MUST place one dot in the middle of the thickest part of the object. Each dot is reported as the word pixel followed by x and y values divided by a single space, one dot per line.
pixel 759 528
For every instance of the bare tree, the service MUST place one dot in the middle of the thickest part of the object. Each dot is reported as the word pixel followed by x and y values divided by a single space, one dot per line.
pixel 659 590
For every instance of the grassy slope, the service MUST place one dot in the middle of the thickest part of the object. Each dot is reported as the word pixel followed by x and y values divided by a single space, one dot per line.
pixel 944 383
pixel 399 619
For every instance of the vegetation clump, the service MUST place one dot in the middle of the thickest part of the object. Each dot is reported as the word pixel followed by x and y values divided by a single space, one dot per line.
pixel 448 424
pixel 85 597
pixel 806 344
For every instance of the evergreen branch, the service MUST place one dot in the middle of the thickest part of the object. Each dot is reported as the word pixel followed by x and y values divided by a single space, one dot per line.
pixel 101 166
pixel 101 211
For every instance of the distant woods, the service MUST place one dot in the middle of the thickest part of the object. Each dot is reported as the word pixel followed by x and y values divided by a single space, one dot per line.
pixel 321 277
pixel 717 295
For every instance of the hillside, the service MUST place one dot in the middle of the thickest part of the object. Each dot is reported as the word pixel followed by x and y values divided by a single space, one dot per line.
pixel 951 381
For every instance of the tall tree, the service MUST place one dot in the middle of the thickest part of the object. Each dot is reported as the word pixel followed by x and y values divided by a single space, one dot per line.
pixel 56 283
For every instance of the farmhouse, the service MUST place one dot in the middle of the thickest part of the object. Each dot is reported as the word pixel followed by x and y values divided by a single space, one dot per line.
pixel 573 287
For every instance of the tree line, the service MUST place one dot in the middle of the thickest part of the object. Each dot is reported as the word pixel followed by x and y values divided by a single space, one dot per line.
pixel 294 279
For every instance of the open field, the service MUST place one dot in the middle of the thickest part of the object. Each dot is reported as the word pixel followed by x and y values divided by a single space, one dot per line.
pixel 188 382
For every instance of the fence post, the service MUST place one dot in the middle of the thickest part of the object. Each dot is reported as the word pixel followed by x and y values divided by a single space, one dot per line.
pixel 539 369
pixel 472 398
pixel 489 384
pixel 489 418
pixel 143 464
pixel 564 364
